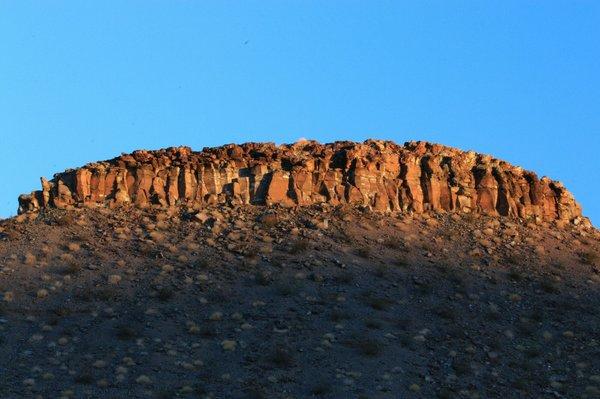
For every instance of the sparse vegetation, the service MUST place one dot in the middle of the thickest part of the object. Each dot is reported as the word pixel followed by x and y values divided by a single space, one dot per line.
pixel 590 258
pixel 364 252
pixel 366 346
pixel 515 275
pixel 269 220
pixel 126 332
pixel 344 277
pixel 299 246
pixel 208 313
pixel 262 278
pixel 281 357
pixel 165 294
pixel 393 243
pixel 321 388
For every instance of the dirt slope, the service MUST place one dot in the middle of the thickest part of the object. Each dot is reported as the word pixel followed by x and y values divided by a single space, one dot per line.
pixel 319 301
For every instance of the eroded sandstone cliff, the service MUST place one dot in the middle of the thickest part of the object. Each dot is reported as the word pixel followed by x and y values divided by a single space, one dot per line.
pixel 416 177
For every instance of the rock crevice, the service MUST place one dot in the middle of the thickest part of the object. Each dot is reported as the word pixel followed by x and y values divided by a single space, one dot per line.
pixel 414 177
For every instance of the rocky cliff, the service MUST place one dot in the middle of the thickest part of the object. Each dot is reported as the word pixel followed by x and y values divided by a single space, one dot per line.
pixel 416 177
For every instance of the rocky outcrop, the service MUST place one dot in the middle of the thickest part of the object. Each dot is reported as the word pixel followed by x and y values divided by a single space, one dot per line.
pixel 417 177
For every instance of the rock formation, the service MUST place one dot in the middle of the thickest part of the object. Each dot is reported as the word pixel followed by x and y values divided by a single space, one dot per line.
pixel 417 177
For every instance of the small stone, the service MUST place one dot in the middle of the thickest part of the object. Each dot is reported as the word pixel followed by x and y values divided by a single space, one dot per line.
pixel 29 382
pixel 42 293
pixel 114 279
pixel 229 345
pixel 414 388
pixel 568 334
pixel 102 383
pixel 143 379
pixel 216 316
pixel 47 376
pixel 99 364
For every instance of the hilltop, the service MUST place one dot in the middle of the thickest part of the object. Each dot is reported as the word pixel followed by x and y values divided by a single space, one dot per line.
pixel 308 270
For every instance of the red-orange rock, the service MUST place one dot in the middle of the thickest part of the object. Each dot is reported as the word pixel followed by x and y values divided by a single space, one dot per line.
pixel 417 177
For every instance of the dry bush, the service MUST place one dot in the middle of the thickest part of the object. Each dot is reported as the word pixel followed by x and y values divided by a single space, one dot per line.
pixel 287 288
pixel 70 267
pixel 364 252
pixel 269 220
pixel 338 315
pixel 373 324
pixel 366 346
pixel 344 277
pixel 515 274
pixel 262 278
pixel 381 271
pixel 65 219
pixel 549 286
pixel 281 357
pixel 376 302
pixel 299 246
pixel 321 388
pixel 590 257
pixel 393 243
pixel 126 332
pixel 165 294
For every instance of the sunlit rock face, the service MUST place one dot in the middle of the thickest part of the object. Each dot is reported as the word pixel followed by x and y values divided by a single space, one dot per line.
pixel 415 177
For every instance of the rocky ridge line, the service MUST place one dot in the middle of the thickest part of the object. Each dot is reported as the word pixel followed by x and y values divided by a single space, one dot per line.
pixel 417 177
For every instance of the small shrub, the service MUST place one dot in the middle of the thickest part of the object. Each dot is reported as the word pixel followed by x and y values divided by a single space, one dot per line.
pixel 381 271
pixel 364 252
pixel 369 347
pixel 590 258
pixel 321 388
pixel 165 294
pixel 202 263
pixel 64 220
pixel 549 287
pixel 281 357
pixel 461 367
pixel 344 277
pixel 299 246
pixel 533 351
pixel 373 324
pixel 165 394
pixel 515 275
pixel 269 220
pixel 209 330
pixel 392 243
pixel 105 294
pixel 262 278
pixel 287 288
pixel 339 315
pixel 126 333
pixel 84 378
pixel 513 259
pixel 376 302
pixel 446 312
pixel 71 267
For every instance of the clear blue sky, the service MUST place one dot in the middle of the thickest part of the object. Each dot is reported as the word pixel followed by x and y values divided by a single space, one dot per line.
pixel 86 80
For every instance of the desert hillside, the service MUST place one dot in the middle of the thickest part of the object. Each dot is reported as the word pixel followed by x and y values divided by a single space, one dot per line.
pixel 301 271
